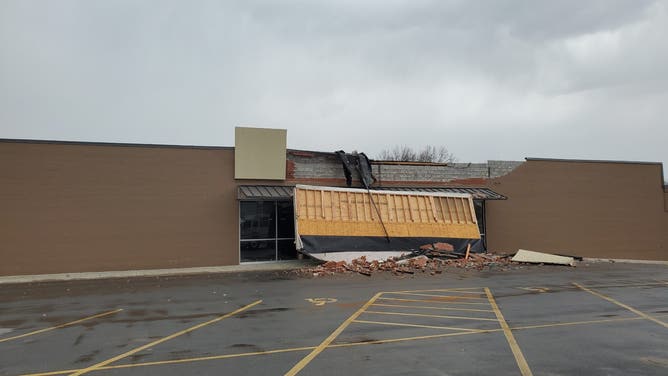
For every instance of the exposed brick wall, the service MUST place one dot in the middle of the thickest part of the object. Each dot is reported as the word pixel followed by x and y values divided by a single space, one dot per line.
pixel 326 168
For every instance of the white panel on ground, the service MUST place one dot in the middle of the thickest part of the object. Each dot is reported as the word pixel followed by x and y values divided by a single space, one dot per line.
pixel 523 255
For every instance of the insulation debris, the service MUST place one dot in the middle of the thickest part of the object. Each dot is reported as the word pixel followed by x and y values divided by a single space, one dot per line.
pixel 532 257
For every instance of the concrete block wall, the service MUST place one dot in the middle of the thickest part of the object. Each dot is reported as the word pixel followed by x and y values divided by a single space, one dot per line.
pixel 315 166
pixel 427 173
pixel 326 167
pixel 501 168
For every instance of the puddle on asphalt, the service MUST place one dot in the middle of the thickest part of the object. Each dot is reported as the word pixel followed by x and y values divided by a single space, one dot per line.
pixel 86 358
pixel 246 346
pixel 258 312
pixel 13 323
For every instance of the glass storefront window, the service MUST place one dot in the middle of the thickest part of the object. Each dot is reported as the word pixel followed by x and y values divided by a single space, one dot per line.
pixel 479 206
pixel 266 230
pixel 258 219
pixel 258 250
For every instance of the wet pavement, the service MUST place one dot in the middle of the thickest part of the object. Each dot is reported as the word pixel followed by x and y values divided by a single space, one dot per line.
pixel 595 319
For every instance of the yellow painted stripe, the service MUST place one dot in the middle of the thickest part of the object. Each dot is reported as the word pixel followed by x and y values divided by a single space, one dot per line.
pixel 177 361
pixel 455 297
pixel 514 347
pixel 308 358
pixel 62 325
pixel 433 301
pixel 457 289
pixel 404 339
pixel 425 315
pixel 256 353
pixel 345 344
pixel 416 325
pixel 627 285
pixel 161 340
pixel 430 307
pixel 556 324
pixel 614 301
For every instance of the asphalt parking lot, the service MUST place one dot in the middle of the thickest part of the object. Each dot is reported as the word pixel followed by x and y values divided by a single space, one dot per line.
pixel 598 319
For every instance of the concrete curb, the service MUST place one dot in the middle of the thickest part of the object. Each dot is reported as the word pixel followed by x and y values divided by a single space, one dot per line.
pixel 627 261
pixel 251 267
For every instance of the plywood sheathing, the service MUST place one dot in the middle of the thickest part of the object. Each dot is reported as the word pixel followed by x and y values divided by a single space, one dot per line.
pixel 329 211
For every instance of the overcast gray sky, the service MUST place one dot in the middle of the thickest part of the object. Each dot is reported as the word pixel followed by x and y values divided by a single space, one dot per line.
pixel 488 79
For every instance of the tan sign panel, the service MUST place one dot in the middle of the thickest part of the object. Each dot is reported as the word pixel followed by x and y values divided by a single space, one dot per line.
pixel 259 153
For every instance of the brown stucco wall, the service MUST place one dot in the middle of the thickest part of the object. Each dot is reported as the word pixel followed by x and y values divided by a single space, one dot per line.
pixel 81 207
pixel 609 210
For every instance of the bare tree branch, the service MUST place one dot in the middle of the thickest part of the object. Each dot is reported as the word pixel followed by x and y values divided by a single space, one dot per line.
pixel 429 153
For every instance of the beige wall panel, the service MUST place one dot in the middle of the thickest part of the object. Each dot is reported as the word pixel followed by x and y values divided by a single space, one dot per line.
pixel 609 210
pixel 259 153
pixel 78 207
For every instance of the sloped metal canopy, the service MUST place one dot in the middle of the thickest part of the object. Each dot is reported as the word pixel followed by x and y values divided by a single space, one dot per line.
pixel 264 192
pixel 284 192
pixel 478 193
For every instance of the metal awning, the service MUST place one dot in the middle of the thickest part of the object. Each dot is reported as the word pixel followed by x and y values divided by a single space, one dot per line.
pixel 285 192
pixel 264 192
pixel 478 193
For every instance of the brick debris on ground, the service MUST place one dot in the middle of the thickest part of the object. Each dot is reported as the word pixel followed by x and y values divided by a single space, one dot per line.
pixel 431 259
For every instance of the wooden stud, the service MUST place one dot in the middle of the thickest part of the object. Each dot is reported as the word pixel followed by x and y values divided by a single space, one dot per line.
pixel 322 204
pixel 433 208
pixel 453 204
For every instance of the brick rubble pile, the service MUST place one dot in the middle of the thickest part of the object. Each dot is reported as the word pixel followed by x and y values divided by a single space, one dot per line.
pixel 431 259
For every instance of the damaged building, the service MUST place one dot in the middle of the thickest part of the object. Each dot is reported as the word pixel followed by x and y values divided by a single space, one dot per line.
pixel 80 207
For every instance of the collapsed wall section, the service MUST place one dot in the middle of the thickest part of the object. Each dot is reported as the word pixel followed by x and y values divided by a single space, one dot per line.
pixel 346 220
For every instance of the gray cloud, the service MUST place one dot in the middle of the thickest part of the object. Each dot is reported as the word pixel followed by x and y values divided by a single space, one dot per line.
pixel 490 80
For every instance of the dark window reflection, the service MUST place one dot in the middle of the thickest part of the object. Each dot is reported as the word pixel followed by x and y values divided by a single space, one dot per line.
pixel 261 224
pixel 287 250
pixel 286 219
pixel 258 219
pixel 258 250
pixel 479 206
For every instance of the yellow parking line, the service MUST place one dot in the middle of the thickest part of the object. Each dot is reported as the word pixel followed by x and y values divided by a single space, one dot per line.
pixel 437 296
pixel 514 347
pixel 346 344
pixel 177 361
pixel 459 289
pixel 268 352
pixel 611 300
pixel 61 325
pixel 161 340
pixel 539 326
pixel 433 301
pixel 308 358
pixel 425 315
pixel 417 325
pixel 429 307
pixel 628 285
